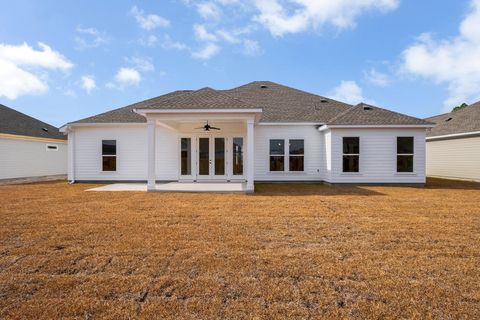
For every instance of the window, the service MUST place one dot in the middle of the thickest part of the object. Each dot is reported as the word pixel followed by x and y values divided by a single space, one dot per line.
pixel 109 155
pixel 296 155
pixel 351 154
pixel 186 156
pixel 52 147
pixel 277 155
pixel 237 156
pixel 404 154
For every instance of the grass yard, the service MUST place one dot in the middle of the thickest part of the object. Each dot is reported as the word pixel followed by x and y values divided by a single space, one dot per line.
pixel 297 251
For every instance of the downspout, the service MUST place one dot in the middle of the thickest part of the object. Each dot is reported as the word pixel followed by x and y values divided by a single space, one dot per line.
pixel 71 147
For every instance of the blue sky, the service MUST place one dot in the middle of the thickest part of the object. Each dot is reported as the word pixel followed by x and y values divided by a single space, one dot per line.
pixel 65 60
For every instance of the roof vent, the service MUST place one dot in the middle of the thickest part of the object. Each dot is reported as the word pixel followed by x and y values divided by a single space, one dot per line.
pixel 263 86
pixel 45 129
pixel 446 120
pixel 367 108
pixel 324 101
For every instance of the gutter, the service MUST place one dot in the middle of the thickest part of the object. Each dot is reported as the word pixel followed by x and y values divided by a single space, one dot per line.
pixel 454 135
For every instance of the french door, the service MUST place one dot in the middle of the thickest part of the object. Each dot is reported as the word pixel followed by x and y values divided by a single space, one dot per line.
pixel 204 158
pixel 212 158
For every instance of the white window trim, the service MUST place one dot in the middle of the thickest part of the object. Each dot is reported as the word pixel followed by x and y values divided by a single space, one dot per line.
pixel 47 147
pixel 109 155
pixel 413 172
pixel 352 154
pixel 286 156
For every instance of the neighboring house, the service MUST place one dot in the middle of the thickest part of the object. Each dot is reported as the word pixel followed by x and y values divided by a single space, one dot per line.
pixel 267 132
pixel 29 147
pixel 453 145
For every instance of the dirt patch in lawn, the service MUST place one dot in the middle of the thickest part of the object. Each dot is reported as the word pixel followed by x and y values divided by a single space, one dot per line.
pixel 289 251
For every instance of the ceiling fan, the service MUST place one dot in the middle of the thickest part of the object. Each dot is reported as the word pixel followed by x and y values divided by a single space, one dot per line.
pixel 208 127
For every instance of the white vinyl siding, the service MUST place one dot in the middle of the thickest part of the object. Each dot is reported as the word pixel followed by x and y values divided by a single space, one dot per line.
pixel 30 158
pixel 131 153
pixel 454 158
pixel 378 159
pixel 322 158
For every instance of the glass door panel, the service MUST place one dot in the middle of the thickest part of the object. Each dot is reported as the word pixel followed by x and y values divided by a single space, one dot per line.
pixel 219 156
pixel 237 154
pixel 186 156
pixel 204 156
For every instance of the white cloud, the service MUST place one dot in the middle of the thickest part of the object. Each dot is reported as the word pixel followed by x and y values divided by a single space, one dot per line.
pixel 125 77
pixel 251 47
pixel 168 43
pixel 349 92
pixel 15 82
pixel 149 21
pixel 282 17
pixel 88 83
pixel 143 64
pixel 202 34
pixel 22 69
pixel 454 61
pixel 149 41
pixel 208 11
pixel 377 78
pixel 228 36
pixel 91 38
pixel 208 51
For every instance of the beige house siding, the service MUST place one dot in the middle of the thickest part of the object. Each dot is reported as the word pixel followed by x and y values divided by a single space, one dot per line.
pixel 454 158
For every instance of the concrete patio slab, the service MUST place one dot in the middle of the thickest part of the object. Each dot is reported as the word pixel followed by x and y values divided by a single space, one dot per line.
pixel 177 187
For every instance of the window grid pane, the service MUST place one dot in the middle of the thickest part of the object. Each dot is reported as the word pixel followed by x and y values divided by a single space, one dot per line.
pixel 277 163
pixel 277 147
pixel 296 163
pixel 109 147
pixel 296 147
pixel 351 145
pixel 351 163
pixel 109 163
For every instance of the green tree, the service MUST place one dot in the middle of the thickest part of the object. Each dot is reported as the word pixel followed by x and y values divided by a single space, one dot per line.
pixel 463 105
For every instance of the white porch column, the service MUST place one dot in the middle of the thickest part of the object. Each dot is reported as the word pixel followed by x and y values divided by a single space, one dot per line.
pixel 250 155
pixel 151 175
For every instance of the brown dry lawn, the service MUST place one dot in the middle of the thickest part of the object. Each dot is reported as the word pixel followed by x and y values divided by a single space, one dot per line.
pixel 290 251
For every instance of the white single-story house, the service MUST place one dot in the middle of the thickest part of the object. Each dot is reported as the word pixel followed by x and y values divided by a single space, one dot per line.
pixel 30 147
pixel 453 145
pixel 261 131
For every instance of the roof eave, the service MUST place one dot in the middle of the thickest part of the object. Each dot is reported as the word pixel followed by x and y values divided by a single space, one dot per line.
pixel 366 126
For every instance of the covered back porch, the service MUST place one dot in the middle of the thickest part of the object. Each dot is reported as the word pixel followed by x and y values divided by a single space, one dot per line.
pixel 216 147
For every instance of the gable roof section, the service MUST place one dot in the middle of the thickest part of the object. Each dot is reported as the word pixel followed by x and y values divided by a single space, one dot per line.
pixel 367 115
pixel 17 123
pixel 284 104
pixel 462 121
pixel 280 104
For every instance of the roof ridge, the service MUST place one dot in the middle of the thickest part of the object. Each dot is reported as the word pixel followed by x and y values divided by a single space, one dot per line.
pixel 235 98
pixel 341 114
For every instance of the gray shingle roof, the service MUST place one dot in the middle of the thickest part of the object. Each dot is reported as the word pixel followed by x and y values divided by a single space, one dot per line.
pixel 17 123
pixel 126 114
pixel 279 103
pixel 206 98
pixel 461 121
pixel 284 104
pixel 365 114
